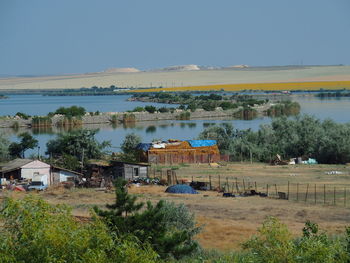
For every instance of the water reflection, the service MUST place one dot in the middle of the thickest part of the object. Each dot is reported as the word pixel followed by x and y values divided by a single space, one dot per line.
pixel 151 129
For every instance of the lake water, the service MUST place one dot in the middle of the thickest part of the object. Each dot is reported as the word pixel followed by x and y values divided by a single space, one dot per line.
pixel 334 108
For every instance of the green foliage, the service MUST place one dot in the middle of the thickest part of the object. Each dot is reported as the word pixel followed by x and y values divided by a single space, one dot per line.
pixel 153 224
pixel 184 116
pixel 39 121
pixel 223 135
pixel 150 109
pixel 163 109
pixel 284 108
pixel 307 136
pixel 75 143
pixel 128 146
pixel 192 107
pixel 4 147
pixel 209 106
pixel 274 244
pixel 34 231
pixel 138 109
pixel 73 111
pixel 23 115
pixel 27 142
pixel 129 118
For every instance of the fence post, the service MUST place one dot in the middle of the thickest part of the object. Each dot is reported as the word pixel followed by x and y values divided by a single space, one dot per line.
pixel 237 188
pixel 210 182
pixel 219 183
pixel 228 186
pixel 243 185
pixel 276 190
pixel 307 191
pixel 324 194
pixel 297 192
pixel 256 188
pixel 267 190
pixel 288 191
pixel 315 195
pixel 344 196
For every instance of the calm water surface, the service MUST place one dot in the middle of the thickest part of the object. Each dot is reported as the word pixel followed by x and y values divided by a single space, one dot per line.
pixel 333 108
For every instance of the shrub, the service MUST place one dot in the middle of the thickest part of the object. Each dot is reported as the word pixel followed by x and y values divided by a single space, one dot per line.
pixel 71 111
pixel 138 109
pixel 150 109
pixel 163 109
pixel 22 115
pixel 35 231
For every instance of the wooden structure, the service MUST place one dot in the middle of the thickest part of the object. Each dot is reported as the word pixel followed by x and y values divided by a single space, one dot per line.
pixel 129 170
pixel 175 151
pixel 102 174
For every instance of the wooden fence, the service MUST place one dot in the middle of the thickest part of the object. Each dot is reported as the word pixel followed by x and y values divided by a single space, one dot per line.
pixel 181 158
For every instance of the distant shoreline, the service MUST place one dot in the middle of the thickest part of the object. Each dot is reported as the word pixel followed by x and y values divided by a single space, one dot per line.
pixel 182 79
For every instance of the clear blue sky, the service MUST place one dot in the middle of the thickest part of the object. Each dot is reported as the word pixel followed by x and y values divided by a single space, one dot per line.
pixel 78 36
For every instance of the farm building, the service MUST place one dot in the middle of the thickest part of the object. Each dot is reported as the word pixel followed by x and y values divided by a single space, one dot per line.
pixel 25 169
pixel 103 173
pixel 60 175
pixel 176 151
pixel 130 171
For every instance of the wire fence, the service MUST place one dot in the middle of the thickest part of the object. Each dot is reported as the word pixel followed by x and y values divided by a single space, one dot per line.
pixel 308 193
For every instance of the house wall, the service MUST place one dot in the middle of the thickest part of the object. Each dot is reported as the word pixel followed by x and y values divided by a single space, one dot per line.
pixel 28 170
pixel 134 171
pixel 62 176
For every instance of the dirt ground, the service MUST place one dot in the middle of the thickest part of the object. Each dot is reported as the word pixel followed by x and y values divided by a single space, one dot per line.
pixel 227 222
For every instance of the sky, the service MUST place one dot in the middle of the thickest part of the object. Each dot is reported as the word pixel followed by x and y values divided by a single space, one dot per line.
pixel 41 37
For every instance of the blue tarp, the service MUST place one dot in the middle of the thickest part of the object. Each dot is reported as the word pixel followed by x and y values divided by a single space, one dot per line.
pixel 144 146
pixel 201 143
pixel 181 189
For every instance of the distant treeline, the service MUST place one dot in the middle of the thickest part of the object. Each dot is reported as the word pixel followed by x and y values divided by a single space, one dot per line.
pixel 206 102
pixel 303 136
pixel 333 94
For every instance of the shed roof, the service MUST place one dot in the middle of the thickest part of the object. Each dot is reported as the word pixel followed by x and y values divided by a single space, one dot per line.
pixel 67 170
pixel 131 163
pixel 14 165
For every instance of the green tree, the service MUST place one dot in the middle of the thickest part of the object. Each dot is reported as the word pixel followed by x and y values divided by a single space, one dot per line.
pixel 128 146
pixel 76 143
pixel 35 231
pixel 223 134
pixel 4 147
pixel 151 225
pixel 27 142
pixel 73 111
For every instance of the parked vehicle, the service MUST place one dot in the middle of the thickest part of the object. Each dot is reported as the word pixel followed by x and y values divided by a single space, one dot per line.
pixel 37 185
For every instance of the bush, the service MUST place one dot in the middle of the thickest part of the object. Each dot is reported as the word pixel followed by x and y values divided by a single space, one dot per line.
pixel 72 111
pixel 150 109
pixel 163 109
pixel 138 109
pixel 23 115
pixel 35 231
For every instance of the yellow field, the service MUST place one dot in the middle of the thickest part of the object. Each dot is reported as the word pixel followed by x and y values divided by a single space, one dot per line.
pixel 314 85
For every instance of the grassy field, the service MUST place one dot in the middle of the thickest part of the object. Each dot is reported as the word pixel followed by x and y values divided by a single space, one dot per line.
pixel 183 79
pixel 227 222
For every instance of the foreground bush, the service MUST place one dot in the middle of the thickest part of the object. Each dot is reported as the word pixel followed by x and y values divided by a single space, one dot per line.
pixel 167 227
pixel 34 231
